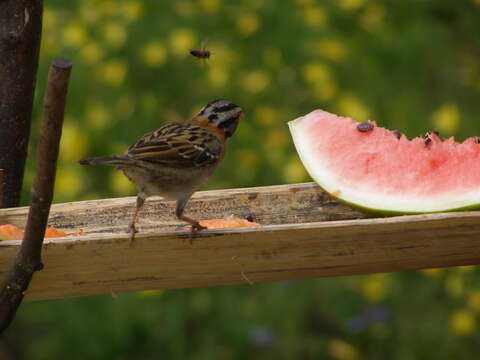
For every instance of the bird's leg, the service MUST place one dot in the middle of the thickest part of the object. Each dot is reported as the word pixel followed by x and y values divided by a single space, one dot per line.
pixel 131 228
pixel 181 203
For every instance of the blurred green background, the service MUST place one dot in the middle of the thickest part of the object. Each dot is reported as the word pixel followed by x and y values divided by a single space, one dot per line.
pixel 412 65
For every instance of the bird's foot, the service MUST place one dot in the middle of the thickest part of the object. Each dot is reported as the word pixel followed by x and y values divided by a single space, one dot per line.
pixel 195 227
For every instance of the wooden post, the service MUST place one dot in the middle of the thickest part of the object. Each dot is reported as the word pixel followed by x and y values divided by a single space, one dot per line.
pixel 20 33
pixel 28 258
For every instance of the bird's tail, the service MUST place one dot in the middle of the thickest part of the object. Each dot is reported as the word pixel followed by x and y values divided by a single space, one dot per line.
pixel 114 160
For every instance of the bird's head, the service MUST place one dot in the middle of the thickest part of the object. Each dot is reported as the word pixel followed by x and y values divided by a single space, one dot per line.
pixel 221 114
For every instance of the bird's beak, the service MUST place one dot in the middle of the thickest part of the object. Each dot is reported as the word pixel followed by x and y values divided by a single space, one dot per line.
pixel 242 114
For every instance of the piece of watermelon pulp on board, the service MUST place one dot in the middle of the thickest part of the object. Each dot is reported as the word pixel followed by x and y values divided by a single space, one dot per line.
pixel 378 171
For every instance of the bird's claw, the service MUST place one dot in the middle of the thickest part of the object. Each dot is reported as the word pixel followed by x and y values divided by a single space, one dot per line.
pixel 198 227
pixel 195 227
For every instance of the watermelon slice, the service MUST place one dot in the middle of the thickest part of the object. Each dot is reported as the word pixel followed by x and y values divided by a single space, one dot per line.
pixel 382 171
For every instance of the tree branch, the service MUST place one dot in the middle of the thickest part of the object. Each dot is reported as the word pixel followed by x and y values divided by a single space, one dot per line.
pixel 2 185
pixel 28 259
pixel 20 33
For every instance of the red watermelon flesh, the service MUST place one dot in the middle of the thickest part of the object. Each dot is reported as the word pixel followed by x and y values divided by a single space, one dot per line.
pixel 377 170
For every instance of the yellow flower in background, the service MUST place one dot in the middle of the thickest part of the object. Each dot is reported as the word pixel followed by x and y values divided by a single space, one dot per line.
pixel 149 293
pixel 131 10
pixel 319 76
pixel 218 76
pixel 112 72
pixel 466 268
pixel 446 119
pixel 266 115
pixel 98 116
pixel 324 91
pixel 120 184
pixel 294 171
pixel 50 19
pixel 49 44
pixel 374 287
pixel 473 300
pixel 89 13
pixel 154 54
pixel 314 16
pixel 434 273
pixel 372 18
pixel 182 41
pixel 74 143
pixel 114 34
pixel 315 72
pixel 108 7
pixel 222 54
pixel 209 6
pixel 454 285
pixel 247 24
pixel 351 5
pixel 342 350
pixel 74 35
pixel 69 182
pixel 332 49
pixel 351 106
pixel 277 138
pixel 255 81
pixel 91 53
pixel 462 322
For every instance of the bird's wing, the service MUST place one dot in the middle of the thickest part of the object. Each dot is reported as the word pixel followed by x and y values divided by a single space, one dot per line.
pixel 178 145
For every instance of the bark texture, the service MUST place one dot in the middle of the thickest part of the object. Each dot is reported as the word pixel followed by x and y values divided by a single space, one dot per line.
pixel 28 259
pixel 20 33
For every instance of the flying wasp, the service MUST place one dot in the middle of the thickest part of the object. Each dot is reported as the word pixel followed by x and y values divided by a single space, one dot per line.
pixel 202 53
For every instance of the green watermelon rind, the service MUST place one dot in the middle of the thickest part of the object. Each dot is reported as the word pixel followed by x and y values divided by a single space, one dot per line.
pixel 374 211
pixel 396 213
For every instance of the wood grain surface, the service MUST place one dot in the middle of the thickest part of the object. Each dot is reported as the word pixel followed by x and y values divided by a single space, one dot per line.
pixel 305 234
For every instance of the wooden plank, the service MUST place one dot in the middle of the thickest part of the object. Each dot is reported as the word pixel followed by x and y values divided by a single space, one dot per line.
pixel 280 204
pixel 103 263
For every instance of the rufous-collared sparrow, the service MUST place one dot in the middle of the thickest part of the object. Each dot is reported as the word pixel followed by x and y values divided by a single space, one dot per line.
pixel 178 158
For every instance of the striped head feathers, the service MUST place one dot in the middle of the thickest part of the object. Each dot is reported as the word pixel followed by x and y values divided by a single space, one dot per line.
pixel 222 114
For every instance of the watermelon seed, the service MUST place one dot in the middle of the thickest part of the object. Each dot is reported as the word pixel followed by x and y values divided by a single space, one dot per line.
pixel 365 126
pixel 431 132
pixel 427 137
pixel 477 140
pixel 397 134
